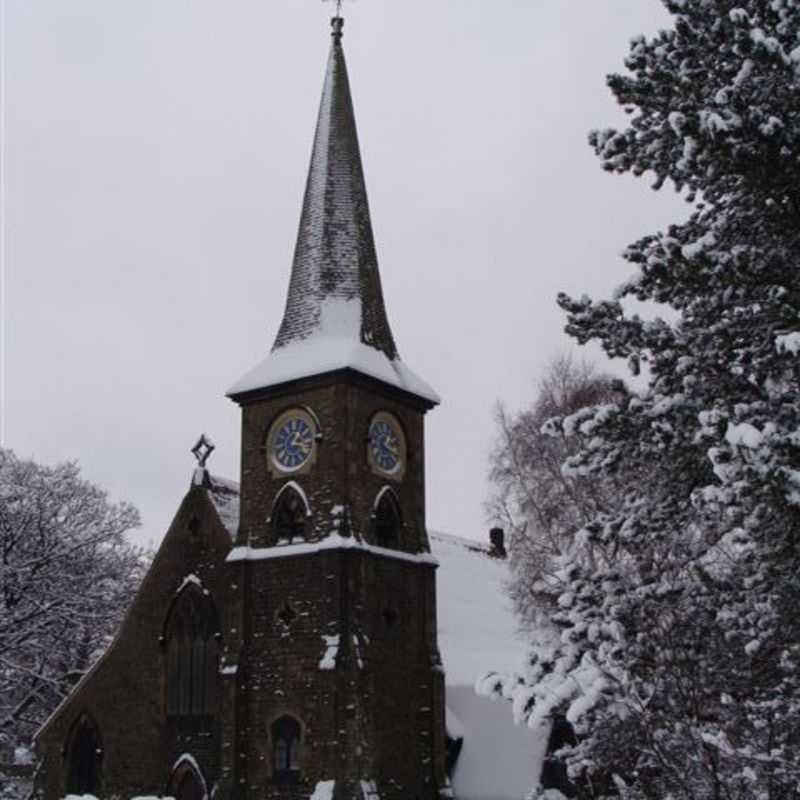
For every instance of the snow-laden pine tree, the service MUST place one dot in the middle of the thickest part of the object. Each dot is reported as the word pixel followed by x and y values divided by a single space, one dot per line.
pixel 676 645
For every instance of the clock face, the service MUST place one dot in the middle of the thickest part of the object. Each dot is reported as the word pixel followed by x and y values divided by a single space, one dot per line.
pixel 387 446
pixel 292 440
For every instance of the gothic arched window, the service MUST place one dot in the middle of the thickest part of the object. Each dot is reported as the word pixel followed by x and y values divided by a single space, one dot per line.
pixel 388 523
pixel 289 515
pixel 192 655
pixel 286 739
pixel 186 783
pixel 84 754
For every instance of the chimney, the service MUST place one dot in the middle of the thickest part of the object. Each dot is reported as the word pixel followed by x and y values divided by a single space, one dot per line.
pixel 497 538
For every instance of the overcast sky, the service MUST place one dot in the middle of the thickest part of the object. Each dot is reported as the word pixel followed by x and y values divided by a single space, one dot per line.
pixel 155 155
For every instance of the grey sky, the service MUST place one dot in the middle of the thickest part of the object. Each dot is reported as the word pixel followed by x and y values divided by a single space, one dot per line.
pixel 155 158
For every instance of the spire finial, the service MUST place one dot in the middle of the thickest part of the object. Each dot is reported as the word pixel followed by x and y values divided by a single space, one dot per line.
pixel 337 22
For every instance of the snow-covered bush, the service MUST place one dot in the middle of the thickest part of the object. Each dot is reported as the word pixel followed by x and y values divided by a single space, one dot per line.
pixel 675 646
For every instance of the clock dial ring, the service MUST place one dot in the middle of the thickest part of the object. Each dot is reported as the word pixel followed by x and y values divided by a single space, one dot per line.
pixel 292 442
pixel 386 446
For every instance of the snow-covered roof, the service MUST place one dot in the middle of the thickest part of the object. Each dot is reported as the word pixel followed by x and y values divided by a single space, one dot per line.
pixel 224 495
pixel 499 760
pixel 335 317
pixel 325 352
pixel 477 634
pixel 477 628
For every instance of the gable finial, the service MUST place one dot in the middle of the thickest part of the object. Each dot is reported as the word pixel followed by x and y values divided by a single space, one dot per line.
pixel 202 450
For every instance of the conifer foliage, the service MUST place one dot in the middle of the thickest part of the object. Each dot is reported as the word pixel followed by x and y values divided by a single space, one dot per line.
pixel 675 647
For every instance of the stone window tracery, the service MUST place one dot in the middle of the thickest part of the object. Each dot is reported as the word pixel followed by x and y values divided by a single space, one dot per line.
pixel 192 655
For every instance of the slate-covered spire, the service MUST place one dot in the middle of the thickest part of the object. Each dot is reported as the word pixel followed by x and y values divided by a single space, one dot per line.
pixel 334 319
pixel 335 286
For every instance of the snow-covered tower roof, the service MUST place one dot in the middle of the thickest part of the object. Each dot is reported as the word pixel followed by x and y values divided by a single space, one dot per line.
pixel 335 317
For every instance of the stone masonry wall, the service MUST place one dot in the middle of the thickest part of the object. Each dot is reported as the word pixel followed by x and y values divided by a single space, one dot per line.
pixel 125 693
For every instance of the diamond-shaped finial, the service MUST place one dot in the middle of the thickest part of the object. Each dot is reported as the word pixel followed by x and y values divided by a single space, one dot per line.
pixel 203 449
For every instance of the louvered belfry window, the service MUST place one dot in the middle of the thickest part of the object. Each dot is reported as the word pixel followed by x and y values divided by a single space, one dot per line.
pixel 289 516
pixel 387 521
pixel 192 656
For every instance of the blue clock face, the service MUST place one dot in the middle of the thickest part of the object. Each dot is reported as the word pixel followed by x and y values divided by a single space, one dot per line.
pixel 292 443
pixel 386 445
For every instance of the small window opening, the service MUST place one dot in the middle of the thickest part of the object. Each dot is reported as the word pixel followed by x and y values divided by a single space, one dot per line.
pixel 286 750
pixel 390 617
pixel 194 527
pixel 387 521
pixel 84 759
pixel 289 516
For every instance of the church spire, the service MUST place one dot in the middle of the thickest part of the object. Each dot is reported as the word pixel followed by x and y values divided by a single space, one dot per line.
pixel 335 286
pixel 335 318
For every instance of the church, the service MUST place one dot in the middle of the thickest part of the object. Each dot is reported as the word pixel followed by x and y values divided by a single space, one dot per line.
pixel 287 641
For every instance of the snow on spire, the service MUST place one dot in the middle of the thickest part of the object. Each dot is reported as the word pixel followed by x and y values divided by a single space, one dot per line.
pixel 335 316
pixel 335 280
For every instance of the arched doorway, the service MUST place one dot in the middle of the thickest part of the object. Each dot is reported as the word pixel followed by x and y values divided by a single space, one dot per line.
pixel 186 782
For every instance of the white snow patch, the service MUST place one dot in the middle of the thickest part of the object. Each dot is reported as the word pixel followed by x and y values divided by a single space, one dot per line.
pixel 332 542
pixel 23 756
pixel 498 759
pixel 224 496
pixel 323 791
pixel 328 660
pixel 691 251
pixel 369 790
pixel 788 343
pixel 190 579
pixel 744 435
pixel 300 492
pixel 319 354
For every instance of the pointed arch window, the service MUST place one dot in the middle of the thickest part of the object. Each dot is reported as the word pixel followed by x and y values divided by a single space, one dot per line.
pixel 192 655
pixel 388 523
pixel 286 742
pixel 186 783
pixel 84 755
pixel 289 515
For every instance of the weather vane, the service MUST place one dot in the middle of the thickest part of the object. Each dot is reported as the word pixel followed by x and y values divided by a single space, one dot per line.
pixel 338 6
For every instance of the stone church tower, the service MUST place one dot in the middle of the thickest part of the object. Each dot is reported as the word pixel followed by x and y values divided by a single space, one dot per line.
pixel 299 660
pixel 331 659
